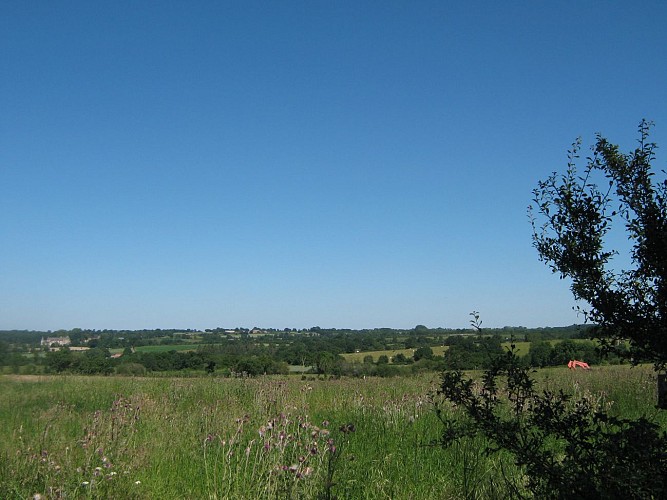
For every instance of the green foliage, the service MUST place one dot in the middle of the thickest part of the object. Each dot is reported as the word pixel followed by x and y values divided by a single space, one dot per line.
pixel 567 447
pixel 472 352
pixel 60 360
pixel 133 369
pixel 329 364
pixel 540 353
pixel 93 361
pixel 401 359
pixel 423 353
pixel 578 212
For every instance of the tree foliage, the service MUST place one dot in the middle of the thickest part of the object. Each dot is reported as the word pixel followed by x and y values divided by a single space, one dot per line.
pixel 572 217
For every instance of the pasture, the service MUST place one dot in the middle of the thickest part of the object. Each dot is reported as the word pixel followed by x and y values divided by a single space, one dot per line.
pixel 269 437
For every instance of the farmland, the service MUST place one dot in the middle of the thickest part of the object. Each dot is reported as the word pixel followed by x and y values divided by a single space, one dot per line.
pixel 265 437
pixel 382 352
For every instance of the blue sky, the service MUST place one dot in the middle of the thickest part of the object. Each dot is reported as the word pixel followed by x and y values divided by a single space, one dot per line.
pixel 291 164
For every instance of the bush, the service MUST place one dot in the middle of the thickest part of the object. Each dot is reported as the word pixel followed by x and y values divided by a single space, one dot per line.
pixel 132 369
pixel 567 447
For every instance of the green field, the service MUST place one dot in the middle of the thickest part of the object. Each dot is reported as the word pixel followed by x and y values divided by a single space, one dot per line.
pixel 161 348
pixel 115 437
pixel 167 348
pixel 522 349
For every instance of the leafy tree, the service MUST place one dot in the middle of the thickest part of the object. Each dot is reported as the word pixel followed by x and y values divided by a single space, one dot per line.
pixel 92 362
pixel 328 363
pixel 423 353
pixel 400 359
pixel 576 213
pixel 59 361
pixel 540 353
pixel 563 352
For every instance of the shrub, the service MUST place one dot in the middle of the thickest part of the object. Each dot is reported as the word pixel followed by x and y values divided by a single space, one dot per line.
pixel 133 369
pixel 567 447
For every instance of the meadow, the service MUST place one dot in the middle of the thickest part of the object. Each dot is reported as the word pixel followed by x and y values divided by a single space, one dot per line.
pixel 266 437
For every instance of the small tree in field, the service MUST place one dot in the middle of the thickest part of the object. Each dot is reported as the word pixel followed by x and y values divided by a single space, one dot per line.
pixel 572 216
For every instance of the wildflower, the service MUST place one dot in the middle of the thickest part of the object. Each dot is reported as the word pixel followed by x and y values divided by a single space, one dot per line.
pixel 346 428
pixel 262 431
pixel 85 483
pixel 137 482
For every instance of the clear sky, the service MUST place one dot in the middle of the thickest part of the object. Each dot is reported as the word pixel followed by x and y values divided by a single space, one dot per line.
pixel 348 164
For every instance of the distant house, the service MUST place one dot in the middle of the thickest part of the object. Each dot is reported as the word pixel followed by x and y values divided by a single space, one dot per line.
pixel 57 341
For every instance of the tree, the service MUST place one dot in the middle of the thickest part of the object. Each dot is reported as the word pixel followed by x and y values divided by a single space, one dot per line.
pixel 59 361
pixel 576 213
pixel 540 353
pixel 328 363
pixel 400 359
pixel 423 353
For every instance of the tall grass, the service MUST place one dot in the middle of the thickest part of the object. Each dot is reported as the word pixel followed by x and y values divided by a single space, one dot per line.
pixel 113 437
